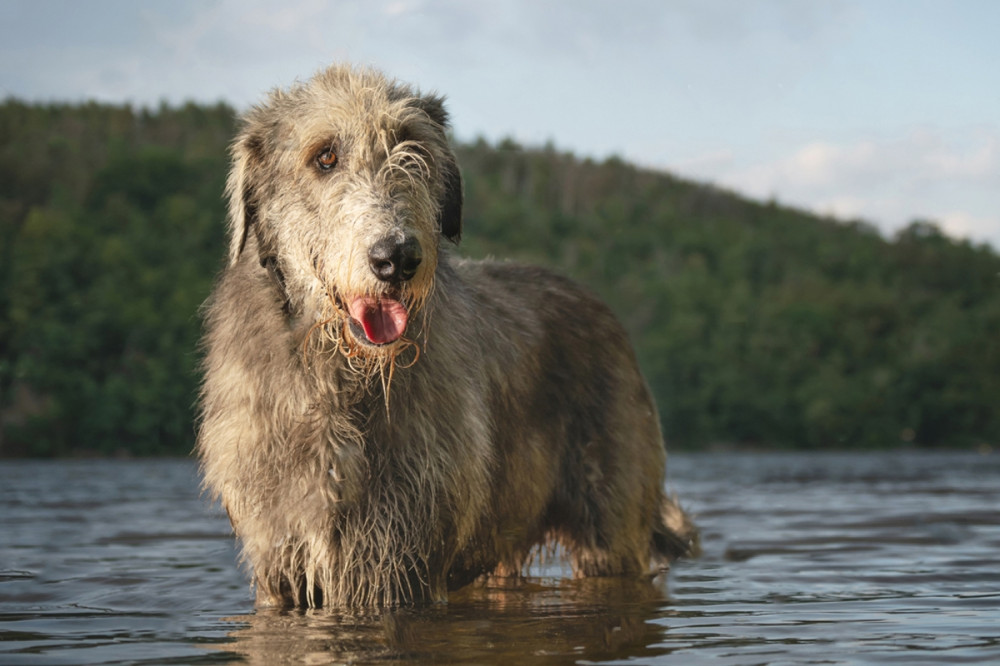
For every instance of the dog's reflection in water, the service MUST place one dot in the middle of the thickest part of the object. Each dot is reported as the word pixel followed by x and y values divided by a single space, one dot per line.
pixel 533 620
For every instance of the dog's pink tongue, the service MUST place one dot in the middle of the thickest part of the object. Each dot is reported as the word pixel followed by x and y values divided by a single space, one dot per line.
pixel 384 319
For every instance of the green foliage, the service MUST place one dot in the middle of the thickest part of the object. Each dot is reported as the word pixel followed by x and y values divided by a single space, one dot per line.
pixel 111 240
pixel 755 324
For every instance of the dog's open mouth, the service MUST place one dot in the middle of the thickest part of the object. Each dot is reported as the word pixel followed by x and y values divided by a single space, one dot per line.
pixel 377 320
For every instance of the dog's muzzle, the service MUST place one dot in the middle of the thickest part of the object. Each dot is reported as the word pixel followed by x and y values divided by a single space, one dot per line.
pixel 382 319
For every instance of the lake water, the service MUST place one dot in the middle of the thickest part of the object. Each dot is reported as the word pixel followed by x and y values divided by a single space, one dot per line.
pixel 809 559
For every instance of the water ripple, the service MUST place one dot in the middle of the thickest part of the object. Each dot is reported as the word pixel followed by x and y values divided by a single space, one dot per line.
pixel 821 559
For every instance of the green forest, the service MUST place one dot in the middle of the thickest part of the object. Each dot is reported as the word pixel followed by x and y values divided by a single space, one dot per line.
pixel 756 324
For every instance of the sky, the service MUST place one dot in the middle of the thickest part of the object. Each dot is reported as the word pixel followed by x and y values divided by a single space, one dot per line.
pixel 885 111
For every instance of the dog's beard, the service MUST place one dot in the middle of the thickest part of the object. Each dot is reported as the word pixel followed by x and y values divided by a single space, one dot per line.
pixel 371 334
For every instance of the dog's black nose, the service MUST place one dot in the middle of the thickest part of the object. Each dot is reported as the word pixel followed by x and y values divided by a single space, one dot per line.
pixel 392 260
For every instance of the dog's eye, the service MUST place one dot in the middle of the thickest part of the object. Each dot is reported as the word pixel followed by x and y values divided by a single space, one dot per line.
pixel 326 159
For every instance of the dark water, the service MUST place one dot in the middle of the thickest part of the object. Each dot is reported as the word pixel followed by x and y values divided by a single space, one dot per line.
pixel 824 559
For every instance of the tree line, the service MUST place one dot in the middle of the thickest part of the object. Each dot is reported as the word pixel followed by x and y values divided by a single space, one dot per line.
pixel 756 324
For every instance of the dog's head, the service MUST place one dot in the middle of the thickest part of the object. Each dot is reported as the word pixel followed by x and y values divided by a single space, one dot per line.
pixel 342 187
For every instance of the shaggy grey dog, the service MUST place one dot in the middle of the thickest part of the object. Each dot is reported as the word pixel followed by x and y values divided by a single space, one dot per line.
pixel 384 423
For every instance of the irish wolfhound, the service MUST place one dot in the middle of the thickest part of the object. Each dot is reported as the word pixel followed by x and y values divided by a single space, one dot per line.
pixel 383 422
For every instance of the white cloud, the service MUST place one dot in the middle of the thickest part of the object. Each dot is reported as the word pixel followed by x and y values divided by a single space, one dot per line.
pixel 944 176
pixel 816 166
pixel 962 224
pixel 979 161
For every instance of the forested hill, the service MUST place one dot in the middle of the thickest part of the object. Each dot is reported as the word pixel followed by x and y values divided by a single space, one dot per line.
pixel 755 324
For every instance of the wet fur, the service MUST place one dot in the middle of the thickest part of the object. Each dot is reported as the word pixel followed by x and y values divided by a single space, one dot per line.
pixel 513 414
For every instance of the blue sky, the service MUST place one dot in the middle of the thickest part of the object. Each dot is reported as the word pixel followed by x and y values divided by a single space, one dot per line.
pixel 884 110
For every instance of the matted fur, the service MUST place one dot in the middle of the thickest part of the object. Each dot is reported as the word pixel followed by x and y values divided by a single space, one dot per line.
pixel 510 413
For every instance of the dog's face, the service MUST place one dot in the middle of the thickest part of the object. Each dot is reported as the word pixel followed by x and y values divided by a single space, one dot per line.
pixel 344 185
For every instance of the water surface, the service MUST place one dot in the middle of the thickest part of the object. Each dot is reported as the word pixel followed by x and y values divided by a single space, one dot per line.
pixel 809 559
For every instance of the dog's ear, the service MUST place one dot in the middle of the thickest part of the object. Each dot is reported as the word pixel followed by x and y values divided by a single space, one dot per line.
pixel 433 106
pixel 450 205
pixel 247 160
pixel 450 215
